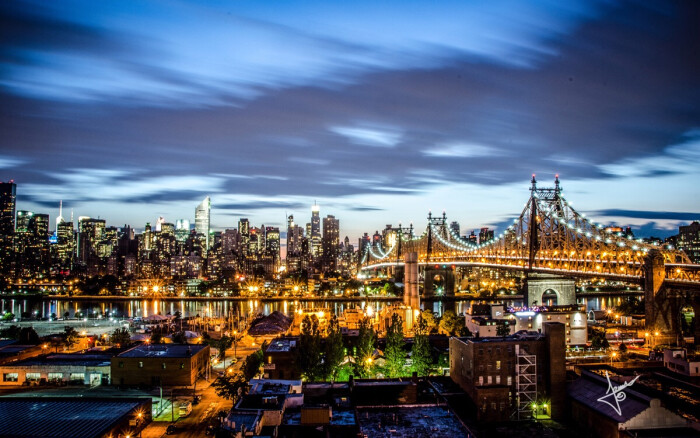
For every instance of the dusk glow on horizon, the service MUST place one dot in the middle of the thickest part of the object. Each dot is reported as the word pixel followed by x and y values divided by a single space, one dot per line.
pixel 379 112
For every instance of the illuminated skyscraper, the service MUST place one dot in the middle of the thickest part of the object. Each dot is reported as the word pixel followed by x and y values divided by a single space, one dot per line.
pixel 182 230
pixel 315 235
pixel 202 220
pixel 331 243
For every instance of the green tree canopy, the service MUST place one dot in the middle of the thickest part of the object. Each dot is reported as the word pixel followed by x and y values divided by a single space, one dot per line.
pixel 451 324
pixel 431 321
pixel 231 386
pixel 503 328
pixel 420 353
pixel 121 337
pixel 252 364
pixel 394 354
pixel 308 352
pixel 364 349
pixel 334 350
pixel 70 336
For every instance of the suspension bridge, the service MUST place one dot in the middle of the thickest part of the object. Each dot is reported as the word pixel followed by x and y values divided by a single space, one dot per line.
pixel 550 241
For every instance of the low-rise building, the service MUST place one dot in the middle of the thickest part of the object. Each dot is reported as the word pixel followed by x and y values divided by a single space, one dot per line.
pixel 678 361
pixel 279 360
pixel 76 418
pixel 504 376
pixel 160 364
pixel 77 369
pixel 594 408
pixel 485 319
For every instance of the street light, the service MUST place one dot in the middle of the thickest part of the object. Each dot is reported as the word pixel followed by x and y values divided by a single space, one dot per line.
pixel 612 356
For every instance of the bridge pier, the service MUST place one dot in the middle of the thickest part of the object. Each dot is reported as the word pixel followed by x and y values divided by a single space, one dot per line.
pixel 538 284
pixel 411 297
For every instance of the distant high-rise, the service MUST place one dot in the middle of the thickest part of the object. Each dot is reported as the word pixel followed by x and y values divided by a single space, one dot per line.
pixel 182 230
pixel 688 240
pixel 485 235
pixel 315 235
pixel 202 220
pixel 8 202
pixel 331 243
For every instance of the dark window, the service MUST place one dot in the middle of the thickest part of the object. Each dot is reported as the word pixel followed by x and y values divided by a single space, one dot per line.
pixel 121 364
pixel 163 365
pixel 182 365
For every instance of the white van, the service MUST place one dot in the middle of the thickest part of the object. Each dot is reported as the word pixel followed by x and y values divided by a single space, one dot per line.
pixel 185 409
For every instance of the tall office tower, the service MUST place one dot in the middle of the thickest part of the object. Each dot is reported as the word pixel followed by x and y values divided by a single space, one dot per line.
pixel 230 242
pixel 182 230
pixel 90 232
pixel 454 227
pixel 24 218
pixel 244 231
pixel 315 231
pixel 688 240
pixel 31 244
pixel 331 243
pixel 272 245
pixel 8 200
pixel 65 246
pixel 485 235
pixel 202 220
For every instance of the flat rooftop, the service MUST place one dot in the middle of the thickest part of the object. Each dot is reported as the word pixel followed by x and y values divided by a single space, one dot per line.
pixel 281 345
pixel 339 417
pixel 410 421
pixel 58 418
pixel 163 350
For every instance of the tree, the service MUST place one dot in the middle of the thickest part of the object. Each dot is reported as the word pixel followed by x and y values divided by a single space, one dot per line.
pixel 394 354
pixel 364 349
pixel 598 340
pixel 503 329
pixel 430 320
pixel 179 338
pixel 70 336
pixel 231 386
pixel 8 316
pixel 11 332
pixel 334 351
pixel 308 353
pixel 451 324
pixel 420 353
pixel 622 348
pixel 120 337
pixel 156 338
pixel 28 336
pixel 251 366
pixel 222 345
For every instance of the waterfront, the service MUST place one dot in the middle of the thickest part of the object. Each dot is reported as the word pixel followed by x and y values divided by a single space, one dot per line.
pixel 128 307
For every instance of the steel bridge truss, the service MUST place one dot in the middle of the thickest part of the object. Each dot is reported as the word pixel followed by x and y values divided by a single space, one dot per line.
pixel 549 236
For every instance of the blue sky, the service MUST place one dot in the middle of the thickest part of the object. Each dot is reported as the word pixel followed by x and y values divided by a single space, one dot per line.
pixel 379 111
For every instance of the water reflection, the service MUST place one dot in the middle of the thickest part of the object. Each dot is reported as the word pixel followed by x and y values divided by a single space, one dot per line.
pixel 29 308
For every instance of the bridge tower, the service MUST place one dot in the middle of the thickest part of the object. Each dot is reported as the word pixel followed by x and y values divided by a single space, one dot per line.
pixel 411 297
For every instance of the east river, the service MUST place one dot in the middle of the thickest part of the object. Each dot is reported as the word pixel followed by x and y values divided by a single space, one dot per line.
pixel 127 307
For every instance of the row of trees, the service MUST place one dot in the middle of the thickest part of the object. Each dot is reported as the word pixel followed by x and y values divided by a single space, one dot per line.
pixel 329 358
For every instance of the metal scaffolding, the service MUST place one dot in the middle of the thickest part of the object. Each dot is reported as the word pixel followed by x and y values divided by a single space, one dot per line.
pixel 526 382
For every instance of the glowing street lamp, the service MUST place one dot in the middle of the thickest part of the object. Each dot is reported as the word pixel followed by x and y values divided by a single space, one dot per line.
pixel 612 356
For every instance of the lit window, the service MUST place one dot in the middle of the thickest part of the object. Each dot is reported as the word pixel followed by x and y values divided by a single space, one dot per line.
pixel 140 364
pixel 498 364
pixel 163 365
pixel 10 377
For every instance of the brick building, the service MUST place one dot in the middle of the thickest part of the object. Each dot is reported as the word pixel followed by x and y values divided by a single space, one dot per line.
pixel 513 376
pixel 160 364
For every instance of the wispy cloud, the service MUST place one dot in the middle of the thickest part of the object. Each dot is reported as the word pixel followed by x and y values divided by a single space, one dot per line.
pixel 383 138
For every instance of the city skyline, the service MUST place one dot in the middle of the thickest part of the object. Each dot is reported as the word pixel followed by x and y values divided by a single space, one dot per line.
pixel 380 112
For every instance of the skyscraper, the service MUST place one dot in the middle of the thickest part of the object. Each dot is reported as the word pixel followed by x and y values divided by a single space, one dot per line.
pixel 8 202
pixel 202 220
pixel 315 230
pixel 331 243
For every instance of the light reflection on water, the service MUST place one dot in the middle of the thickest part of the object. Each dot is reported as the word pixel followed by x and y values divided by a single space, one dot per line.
pixel 144 307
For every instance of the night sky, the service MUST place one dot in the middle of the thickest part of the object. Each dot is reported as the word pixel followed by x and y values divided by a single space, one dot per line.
pixel 380 110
